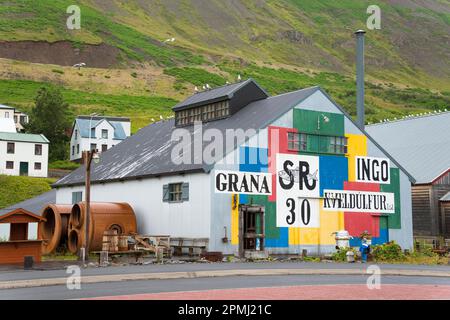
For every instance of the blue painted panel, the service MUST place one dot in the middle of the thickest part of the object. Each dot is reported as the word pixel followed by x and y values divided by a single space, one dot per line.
pixel 281 242
pixel 253 159
pixel 333 172
pixel 383 238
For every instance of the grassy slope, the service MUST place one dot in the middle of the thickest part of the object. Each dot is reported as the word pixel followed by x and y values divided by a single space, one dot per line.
pixel 211 37
pixel 17 189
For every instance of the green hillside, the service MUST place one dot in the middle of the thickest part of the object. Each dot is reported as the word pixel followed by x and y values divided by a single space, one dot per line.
pixel 17 189
pixel 284 44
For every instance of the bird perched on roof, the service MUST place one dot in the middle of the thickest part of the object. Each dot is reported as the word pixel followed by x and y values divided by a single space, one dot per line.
pixel 239 77
pixel 79 65
pixel 196 89
pixel 208 87
pixel 153 120
pixel 161 117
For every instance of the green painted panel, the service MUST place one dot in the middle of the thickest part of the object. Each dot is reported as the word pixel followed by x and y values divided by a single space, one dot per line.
pixel 383 222
pixel 315 122
pixel 394 220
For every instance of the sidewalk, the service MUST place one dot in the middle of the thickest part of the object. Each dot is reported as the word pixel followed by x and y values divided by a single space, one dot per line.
pixel 28 279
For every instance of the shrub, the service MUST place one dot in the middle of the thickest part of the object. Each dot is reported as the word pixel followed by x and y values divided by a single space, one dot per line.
pixel 389 251
pixel 341 254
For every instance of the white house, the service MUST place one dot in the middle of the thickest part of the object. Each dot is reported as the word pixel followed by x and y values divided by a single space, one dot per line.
pixel 20 118
pixel 7 125
pixel 302 147
pixel 23 154
pixel 100 133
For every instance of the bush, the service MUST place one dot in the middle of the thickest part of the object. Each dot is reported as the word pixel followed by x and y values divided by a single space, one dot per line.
pixel 389 251
pixel 341 254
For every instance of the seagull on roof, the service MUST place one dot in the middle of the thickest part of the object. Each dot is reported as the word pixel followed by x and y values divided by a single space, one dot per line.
pixel 161 117
pixel 208 87
pixel 153 120
pixel 239 77
pixel 196 89
pixel 79 65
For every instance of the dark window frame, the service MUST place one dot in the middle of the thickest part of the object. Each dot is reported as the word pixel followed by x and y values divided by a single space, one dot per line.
pixel 10 148
pixel 38 149
pixel 12 165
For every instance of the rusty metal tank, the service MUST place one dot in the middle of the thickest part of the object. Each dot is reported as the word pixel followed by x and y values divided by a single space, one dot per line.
pixel 54 230
pixel 104 216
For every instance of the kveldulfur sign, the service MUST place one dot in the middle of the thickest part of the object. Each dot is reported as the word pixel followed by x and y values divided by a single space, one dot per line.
pixel 243 182
pixel 358 201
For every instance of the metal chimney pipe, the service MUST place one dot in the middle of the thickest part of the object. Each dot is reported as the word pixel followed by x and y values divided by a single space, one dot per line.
pixel 360 78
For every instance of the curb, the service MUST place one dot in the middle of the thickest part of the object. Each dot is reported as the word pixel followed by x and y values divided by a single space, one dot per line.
pixel 216 273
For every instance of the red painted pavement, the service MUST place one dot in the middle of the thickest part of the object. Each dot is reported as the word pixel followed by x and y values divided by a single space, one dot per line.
pixel 306 292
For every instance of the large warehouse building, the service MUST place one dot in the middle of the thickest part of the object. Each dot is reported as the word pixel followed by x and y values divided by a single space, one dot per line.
pixel 302 170
pixel 422 145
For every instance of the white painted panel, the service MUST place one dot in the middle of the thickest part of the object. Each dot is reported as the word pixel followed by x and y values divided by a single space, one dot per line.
pixel 32 231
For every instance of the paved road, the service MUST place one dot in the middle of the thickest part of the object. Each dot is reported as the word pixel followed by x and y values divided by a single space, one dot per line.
pixel 186 267
pixel 281 287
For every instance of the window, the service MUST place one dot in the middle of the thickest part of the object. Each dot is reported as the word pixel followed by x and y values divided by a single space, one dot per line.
pixel 205 113
pixel 338 145
pixel 9 164
pixel 176 192
pixel 73 150
pixel 23 119
pixel 76 134
pixel 297 141
pixel 15 119
pixel 38 149
pixel 10 148
pixel 6 114
pixel 93 146
pixel 104 134
pixel 92 133
pixel 104 147
pixel 77 197
pixel 37 166
pixel 222 109
pixel 78 148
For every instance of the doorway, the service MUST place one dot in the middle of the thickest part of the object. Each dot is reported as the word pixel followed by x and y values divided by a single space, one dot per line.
pixel 23 169
pixel 251 228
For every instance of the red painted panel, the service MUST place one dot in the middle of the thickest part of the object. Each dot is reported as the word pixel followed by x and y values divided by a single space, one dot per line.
pixel 355 222
pixel 278 143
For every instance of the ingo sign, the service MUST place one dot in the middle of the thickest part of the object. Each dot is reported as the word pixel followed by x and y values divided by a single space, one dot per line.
pixel 372 170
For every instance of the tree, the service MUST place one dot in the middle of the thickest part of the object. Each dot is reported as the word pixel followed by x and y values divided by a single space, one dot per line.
pixel 50 117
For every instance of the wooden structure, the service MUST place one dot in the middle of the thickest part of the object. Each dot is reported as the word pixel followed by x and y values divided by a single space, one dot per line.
pixel 444 205
pixel 428 217
pixel 251 228
pixel 18 246
pixel 195 246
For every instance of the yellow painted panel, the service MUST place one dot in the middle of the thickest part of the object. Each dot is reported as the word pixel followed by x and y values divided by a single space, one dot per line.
pixel 330 221
pixel 357 146
pixel 235 219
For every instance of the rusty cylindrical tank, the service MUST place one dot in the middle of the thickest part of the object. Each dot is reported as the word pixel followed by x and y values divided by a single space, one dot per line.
pixel 103 216
pixel 54 230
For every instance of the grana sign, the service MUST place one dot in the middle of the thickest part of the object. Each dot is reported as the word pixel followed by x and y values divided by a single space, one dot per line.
pixel 243 182
pixel 372 170
pixel 298 190
pixel 358 201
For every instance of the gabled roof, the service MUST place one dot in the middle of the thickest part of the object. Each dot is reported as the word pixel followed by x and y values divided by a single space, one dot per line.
pixel 214 95
pixel 33 205
pixel 148 152
pixel 29 216
pixel 85 125
pixel 420 144
pixel 2 106
pixel 23 137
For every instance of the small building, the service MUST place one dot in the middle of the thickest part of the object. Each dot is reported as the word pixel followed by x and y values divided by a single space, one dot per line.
pixel 23 154
pixel 17 245
pixel 20 118
pixel 99 133
pixel 421 144
pixel 291 170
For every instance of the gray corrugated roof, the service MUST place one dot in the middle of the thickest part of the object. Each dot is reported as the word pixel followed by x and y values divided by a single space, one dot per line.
pixel 34 205
pixel 446 197
pixel 421 145
pixel 148 152
pixel 204 97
